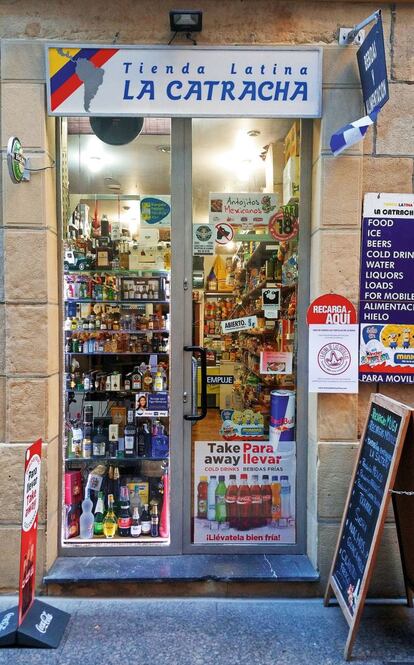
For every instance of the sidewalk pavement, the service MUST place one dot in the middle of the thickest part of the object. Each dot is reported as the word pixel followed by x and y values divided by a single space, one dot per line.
pixel 214 631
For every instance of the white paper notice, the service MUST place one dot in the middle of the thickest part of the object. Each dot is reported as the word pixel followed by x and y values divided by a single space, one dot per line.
pixel 333 358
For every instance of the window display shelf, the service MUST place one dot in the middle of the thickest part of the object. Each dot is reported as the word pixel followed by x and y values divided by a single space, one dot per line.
pixel 118 302
pixel 116 353
pixel 102 541
pixel 98 331
pixel 120 273
pixel 124 461
pixel 112 394
pixel 219 294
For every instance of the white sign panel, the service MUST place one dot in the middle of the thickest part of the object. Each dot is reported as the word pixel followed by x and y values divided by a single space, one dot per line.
pixel 333 358
pixel 245 210
pixel 203 239
pixel 236 325
pixel 187 82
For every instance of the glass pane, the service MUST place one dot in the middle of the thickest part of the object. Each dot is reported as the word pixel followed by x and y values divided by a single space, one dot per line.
pixel 117 258
pixel 245 274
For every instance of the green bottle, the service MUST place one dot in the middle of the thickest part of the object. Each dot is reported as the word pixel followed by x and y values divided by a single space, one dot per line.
pixel 99 515
pixel 221 512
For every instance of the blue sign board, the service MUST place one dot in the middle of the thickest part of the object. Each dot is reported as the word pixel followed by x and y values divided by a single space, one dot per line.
pixel 387 289
pixel 373 69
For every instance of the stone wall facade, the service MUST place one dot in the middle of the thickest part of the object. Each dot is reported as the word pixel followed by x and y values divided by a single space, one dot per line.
pixel 29 335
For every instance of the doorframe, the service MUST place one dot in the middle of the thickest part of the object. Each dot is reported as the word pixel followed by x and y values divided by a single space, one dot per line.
pixel 304 247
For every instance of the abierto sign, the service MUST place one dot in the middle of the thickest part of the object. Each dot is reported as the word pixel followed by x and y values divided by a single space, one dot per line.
pixel 186 82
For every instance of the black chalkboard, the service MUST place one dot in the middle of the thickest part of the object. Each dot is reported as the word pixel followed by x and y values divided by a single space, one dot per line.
pixel 365 510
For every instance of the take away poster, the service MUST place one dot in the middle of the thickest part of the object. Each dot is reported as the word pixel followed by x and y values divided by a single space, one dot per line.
pixel 225 458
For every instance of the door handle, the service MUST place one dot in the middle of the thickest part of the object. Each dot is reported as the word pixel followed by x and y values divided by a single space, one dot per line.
pixel 203 357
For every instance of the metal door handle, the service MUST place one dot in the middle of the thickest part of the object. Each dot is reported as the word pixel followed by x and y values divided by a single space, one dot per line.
pixel 203 357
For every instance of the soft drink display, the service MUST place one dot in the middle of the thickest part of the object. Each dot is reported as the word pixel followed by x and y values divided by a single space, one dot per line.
pixel 221 500
pixel 202 490
pixel 275 500
pixel 256 504
pixel 244 502
pixel 231 502
pixel 266 500
pixel 211 498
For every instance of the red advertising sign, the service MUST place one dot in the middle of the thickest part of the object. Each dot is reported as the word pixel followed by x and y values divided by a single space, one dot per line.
pixel 331 309
pixel 31 493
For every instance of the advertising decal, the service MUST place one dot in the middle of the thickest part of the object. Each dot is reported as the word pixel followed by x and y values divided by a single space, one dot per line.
pixel 387 289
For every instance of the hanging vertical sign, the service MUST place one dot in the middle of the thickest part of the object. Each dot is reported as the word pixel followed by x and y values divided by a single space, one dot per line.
pixel 373 68
pixel 386 289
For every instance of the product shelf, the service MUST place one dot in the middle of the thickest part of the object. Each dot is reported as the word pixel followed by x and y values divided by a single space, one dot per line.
pixel 118 302
pixel 116 353
pixel 111 393
pixel 120 273
pixel 121 461
pixel 101 541
pixel 78 331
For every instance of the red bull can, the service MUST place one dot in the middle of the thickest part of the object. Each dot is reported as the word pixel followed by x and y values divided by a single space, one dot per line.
pixel 282 416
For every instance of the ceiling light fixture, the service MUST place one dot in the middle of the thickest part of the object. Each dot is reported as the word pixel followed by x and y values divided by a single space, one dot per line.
pixel 253 132
pixel 166 149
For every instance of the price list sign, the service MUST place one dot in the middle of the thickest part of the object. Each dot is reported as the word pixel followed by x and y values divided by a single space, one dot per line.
pixel 366 507
pixel 387 289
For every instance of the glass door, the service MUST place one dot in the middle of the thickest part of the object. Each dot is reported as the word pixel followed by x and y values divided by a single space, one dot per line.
pixel 242 463
pixel 116 319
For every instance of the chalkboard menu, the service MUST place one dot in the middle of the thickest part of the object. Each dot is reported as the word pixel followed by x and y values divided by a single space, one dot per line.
pixel 366 507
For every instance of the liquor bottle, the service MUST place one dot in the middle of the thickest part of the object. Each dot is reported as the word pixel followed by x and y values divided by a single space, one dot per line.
pixel 87 442
pixel 158 382
pixel 155 520
pixel 99 443
pixel 165 510
pixel 202 490
pixel 141 441
pixel 130 435
pixel 256 517
pixel 275 501
pixel 266 500
pixel 110 521
pixel 221 500
pixel 124 514
pixel 86 521
pixel 211 498
pixel 135 499
pixel 243 504
pixel 99 515
pixel 136 379
pixel 116 487
pixel 231 502
pixel 135 524
pixel 145 521
pixel 147 380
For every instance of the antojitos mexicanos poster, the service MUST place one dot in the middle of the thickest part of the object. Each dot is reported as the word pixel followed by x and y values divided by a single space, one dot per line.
pixel 387 289
pixel 244 493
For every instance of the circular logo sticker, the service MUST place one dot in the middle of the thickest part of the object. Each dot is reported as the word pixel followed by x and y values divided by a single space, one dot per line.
pixel 334 358
pixel 283 227
pixel 204 233
pixel 224 233
pixel 15 159
pixel 31 493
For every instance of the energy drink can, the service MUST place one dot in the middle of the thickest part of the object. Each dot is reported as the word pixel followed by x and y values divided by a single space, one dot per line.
pixel 282 417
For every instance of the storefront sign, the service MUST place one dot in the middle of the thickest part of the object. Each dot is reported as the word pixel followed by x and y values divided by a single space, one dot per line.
pixel 156 210
pixel 236 325
pixel 373 69
pixel 386 289
pixel 331 309
pixel 245 210
pixel 31 495
pixel 244 493
pixel 187 82
pixel 275 362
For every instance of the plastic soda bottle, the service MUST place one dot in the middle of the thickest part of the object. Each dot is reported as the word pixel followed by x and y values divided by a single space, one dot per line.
pixel 266 500
pixel 221 512
pixel 244 501
pixel 231 502
pixel 256 515
pixel 275 500
pixel 211 498
pixel 86 519
pixel 202 491
pixel 284 497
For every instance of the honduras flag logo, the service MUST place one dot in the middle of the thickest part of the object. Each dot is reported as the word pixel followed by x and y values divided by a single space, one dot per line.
pixel 352 133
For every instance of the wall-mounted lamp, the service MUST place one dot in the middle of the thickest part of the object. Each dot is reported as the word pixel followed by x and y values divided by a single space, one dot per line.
pixel 187 21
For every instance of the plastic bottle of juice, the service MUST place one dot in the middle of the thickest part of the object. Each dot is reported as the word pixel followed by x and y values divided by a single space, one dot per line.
pixel 221 512
pixel 202 491
pixel 231 502
pixel 275 501
pixel 211 498
pixel 266 500
pixel 256 514
pixel 285 497
pixel 244 501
